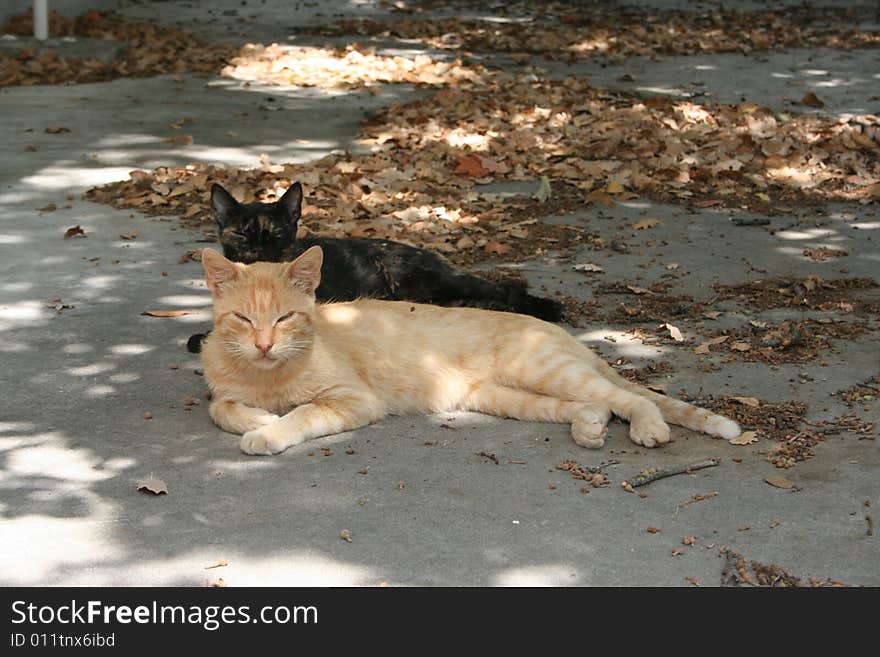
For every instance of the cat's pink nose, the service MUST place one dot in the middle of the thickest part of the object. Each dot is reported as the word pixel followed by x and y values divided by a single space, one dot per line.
pixel 264 347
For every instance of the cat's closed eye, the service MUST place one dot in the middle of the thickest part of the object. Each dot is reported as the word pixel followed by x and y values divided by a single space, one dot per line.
pixel 243 318
pixel 291 315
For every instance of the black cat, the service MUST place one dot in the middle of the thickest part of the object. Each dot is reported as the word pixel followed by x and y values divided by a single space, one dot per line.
pixel 360 267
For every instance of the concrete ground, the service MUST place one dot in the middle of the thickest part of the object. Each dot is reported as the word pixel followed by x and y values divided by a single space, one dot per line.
pixel 81 367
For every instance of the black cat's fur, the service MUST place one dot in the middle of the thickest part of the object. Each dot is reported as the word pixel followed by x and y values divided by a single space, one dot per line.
pixel 360 267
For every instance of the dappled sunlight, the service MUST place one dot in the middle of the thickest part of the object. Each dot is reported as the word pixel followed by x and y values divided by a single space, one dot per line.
pixel 349 68
pixel 186 300
pixel 623 342
pixel 288 568
pixel 68 175
pixel 32 554
pixel 543 575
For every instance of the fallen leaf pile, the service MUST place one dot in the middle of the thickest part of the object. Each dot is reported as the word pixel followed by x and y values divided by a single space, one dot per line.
pixel 371 195
pixel 612 146
pixel 738 572
pixel 592 475
pixel 811 293
pixel 335 68
pixel 862 393
pixel 788 342
pixel 780 422
pixel 620 31
pixel 147 50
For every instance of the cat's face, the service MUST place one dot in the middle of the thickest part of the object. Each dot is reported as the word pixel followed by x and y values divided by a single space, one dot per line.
pixel 264 312
pixel 252 232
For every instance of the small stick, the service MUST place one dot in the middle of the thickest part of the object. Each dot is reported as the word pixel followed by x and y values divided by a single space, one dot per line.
pixel 597 469
pixel 870 522
pixel 646 476
pixel 491 457
pixel 697 498
pixel 513 462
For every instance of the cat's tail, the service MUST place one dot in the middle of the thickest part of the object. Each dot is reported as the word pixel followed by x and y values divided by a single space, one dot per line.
pixel 675 411
pixel 524 303
pixel 548 310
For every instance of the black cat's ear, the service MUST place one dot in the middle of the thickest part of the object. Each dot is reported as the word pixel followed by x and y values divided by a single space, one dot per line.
pixel 305 271
pixel 218 270
pixel 291 203
pixel 223 204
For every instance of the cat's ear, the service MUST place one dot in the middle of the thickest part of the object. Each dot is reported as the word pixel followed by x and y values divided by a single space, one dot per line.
pixel 291 204
pixel 218 270
pixel 223 204
pixel 305 271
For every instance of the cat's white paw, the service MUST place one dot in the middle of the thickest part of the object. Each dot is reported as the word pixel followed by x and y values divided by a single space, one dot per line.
pixel 649 431
pixel 588 429
pixel 722 427
pixel 255 421
pixel 260 441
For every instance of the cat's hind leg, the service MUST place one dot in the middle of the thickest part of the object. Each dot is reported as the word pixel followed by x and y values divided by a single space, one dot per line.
pixel 588 420
pixel 567 377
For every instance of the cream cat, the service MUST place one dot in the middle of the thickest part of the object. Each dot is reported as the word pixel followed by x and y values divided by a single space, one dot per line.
pixel 284 369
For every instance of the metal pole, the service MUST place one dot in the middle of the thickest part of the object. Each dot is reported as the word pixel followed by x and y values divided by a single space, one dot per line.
pixel 41 19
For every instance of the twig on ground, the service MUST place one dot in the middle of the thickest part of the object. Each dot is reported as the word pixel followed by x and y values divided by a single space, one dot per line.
pixel 870 522
pixel 647 476
pixel 489 456
pixel 697 498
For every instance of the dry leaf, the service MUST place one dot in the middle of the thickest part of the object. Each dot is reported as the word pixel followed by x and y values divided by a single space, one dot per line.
pixel 653 530
pixel 217 564
pixel 496 247
pixel 757 324
pixel 674 332
pixel 672 266
pixel 57 129
pixel 179 140
pixel 166 313
pixel 219 584
pixel 153 485
pixel 129 236
pixel 471 165
pixel 646 223
pixel 615 188
pixel 345 535
pixel 779 482
pixel 812 100
pixel 745 438
pixel 747 401
pixel 73 231
pixel 740 346
pixel 702 349
pixel 588 267
pixel 638 290
pixel 712 314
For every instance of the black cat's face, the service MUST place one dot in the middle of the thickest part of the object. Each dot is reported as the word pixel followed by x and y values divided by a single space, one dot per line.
pixel 251 232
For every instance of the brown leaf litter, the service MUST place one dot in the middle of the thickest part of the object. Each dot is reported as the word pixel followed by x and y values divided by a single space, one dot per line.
pixel 739 572
pixel 569 34
pixel 148 50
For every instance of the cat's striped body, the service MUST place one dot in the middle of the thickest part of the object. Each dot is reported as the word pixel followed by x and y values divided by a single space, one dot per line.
pixel 341 366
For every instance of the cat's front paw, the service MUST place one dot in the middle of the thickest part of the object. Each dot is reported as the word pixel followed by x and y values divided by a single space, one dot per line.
pixel 649 431
pixel 256 421
pixel 263 442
